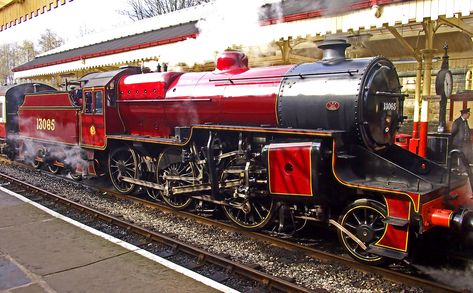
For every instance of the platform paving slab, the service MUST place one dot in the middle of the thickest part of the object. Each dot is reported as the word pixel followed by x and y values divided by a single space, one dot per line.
pixel 12 212
pixel 47 254
pixel 11 275
pixel 30 288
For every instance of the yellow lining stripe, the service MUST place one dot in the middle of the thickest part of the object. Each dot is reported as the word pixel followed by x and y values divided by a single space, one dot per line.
pixel 343 238
pixel 49 107
pixel 385 230
pixel 131 138
pixel 416 203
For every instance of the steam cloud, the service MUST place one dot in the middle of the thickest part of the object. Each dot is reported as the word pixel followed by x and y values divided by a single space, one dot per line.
pixel 230 24
pixel 237 24
pixel 68 154
pixel 461 280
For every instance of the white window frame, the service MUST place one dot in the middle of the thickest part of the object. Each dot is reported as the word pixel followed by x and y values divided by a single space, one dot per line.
pixel 3 119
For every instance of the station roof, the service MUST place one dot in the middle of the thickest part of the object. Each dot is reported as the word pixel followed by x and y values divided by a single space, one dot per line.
pixel 14 12
pixel 4 3
pixel 144 39
pixel 147 39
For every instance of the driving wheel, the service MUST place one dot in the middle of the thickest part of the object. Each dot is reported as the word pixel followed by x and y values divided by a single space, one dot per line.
pixel 123 162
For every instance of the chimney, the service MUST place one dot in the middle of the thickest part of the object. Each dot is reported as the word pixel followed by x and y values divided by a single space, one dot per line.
pixel 334 49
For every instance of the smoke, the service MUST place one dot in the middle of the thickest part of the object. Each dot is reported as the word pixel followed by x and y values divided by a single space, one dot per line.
pixel 230 25
pixel 334 6
pixel 239 25
pixel 70 155
pixel 459 279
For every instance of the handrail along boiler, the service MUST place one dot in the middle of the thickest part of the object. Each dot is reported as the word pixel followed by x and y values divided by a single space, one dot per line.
pixel 272 147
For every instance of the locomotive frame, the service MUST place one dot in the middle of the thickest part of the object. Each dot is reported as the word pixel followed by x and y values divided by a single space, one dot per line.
pixel 272 164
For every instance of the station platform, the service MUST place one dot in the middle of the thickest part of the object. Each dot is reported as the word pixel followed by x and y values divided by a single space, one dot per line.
pixel 40 252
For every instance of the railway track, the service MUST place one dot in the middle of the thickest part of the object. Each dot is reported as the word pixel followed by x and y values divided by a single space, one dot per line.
pixel 312 252
pixel 266 280
pixel 201 256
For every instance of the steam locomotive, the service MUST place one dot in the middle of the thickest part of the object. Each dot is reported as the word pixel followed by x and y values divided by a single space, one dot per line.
pixel 281 146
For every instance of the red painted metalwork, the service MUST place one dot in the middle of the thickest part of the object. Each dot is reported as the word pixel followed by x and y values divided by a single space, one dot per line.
pixel 414 145
pixel 323 12
pixel 415 127
pixel 398 206
pixel 439 217
pixel 141 103
pixel 92 133
pixel 402 140
pixel 155 103
pixel 395 236
pixel 232 61
pixel 423 129
pixel 290 170
pixel 3 130
pixel 434 212
pixel 49 118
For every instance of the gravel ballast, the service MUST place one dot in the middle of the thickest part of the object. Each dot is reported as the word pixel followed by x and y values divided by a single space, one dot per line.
pixel 306 271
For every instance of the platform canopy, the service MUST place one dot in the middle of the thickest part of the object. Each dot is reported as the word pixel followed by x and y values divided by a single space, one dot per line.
pixel 174 33
pixel 4 3
pixel 14 12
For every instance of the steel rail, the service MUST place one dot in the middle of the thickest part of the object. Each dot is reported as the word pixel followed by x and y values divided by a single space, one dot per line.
pixel 266 280
pixel 312 252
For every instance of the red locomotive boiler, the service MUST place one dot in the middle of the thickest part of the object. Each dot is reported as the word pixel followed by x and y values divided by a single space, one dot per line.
pixel 307 142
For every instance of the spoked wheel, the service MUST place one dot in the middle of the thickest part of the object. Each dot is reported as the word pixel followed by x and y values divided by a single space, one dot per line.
pixel 172 172
pixel 75 176
pixel 38 159
pixel 253 212
pixel 53 168
pixel 363 218
pixel 123 162
pixel 151 192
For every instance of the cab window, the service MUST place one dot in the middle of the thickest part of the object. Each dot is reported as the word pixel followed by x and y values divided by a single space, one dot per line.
pixel 88 102
pixel 98 102
pixel 111 95
pixel 2 117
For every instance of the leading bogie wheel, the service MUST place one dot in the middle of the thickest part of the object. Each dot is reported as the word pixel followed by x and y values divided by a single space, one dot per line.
pixel 123 162
pixel 364 219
